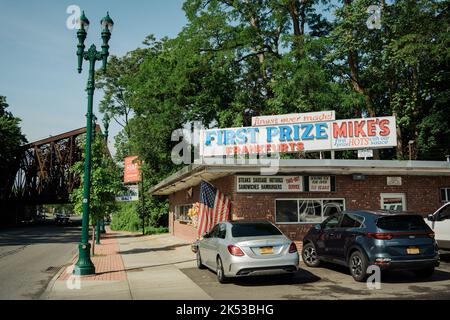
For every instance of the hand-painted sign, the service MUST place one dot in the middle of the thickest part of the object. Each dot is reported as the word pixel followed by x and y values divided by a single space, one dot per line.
pixel 370 133
pixel 132 172
pixel 364 133
pixel 269 184
pixel 294 118
pixel 320 184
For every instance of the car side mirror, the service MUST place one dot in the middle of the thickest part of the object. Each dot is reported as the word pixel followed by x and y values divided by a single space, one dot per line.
pixel 318 226
pixel 430 217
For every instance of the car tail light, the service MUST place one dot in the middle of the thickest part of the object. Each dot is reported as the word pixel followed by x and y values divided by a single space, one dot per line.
pixel 380 236
pixel 235 251
pixel 293 248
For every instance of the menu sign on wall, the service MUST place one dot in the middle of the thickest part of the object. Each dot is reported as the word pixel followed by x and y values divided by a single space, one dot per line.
pixel 320 184
pixel 269 184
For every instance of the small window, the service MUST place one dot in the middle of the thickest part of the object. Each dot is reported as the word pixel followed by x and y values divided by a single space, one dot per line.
pixel 287 211
pixel 182 212
pixel 393 201
pixel 445 194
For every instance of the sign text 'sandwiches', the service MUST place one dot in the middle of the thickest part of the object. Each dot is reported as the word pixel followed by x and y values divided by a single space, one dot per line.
pixel 269 184
pixel 366 133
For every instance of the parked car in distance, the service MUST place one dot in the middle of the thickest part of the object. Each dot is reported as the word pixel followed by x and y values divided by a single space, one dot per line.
pixel 440 223
pixel 62 218
pixel 244 248
pixel 359 239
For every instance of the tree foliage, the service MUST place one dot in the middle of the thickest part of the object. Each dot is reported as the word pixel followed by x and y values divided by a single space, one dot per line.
pixel 106 181
pixel 11 138
pixel 235 59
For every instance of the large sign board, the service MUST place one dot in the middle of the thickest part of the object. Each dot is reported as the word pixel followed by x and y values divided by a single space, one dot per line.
pixel 269 184
pixel 365 133
pixel 132 172
pixel 294 118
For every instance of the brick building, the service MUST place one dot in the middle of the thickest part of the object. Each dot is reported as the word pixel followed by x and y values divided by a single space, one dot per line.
pixel 303 192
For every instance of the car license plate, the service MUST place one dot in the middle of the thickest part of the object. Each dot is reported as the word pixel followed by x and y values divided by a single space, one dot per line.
pixel 413 250
pixel 266 250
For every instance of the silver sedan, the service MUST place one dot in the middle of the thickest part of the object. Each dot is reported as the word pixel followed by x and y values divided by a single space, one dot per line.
pixel 242 248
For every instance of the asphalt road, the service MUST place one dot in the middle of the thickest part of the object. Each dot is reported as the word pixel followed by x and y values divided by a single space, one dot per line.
pixel 31 256
pixel 327 282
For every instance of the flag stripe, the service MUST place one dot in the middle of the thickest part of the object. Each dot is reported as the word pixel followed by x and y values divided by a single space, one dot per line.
pixel 214 208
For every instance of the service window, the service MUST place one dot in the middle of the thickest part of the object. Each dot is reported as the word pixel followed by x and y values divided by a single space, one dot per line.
pixel 306 210
pixel 445 194
pixel 181 212
pixel 393 201
pixel 287 211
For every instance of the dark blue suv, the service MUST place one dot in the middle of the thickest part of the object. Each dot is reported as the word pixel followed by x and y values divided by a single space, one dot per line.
pixel 359 239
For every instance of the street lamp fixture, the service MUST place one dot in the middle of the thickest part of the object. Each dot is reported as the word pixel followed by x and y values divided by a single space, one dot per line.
pixel 84 265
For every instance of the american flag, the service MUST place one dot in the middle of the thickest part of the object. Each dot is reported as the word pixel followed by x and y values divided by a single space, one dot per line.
pixel 214 208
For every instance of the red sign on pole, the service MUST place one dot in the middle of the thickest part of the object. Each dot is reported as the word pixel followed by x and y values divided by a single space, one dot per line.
pixel 132 172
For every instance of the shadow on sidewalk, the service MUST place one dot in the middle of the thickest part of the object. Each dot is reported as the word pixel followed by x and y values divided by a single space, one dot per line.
pixel 145 250
pixel 140 269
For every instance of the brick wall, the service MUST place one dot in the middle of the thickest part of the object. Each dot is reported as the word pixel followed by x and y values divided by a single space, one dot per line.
pixel 422 196
pixel 182 230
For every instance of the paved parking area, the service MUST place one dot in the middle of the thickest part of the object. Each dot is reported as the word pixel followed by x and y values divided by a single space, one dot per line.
pixel 327 282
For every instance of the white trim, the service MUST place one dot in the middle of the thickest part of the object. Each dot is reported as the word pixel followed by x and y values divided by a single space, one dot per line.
pixel 298 208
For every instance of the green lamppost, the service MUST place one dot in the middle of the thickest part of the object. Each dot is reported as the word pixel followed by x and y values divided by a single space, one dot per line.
pixel 84 265
pixel 106 121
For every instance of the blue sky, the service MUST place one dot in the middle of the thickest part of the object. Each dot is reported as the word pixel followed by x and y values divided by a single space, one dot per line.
pixel 38 55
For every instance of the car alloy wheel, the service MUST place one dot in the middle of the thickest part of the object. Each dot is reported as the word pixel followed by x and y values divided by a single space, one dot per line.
pixel 199 261
pixel 220 274
pixel 309 255
pixel 358 266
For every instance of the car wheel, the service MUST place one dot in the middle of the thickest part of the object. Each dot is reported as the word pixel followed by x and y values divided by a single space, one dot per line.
pixel 358 266
pixel 309 255
pixel 424 273
pixel 200 265
pixel 220 274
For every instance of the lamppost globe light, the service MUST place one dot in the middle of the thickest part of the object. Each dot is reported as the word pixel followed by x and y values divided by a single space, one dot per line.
pixel 84 22
pixel 107 23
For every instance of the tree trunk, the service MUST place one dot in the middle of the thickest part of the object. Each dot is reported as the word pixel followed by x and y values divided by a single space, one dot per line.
pixel 93 240
pixel 297 13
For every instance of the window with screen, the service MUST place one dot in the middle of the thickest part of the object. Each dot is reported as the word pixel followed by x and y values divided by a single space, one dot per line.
pixel 306 210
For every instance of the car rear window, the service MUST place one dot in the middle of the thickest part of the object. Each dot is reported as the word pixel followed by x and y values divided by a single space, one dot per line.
pixel 254 230
pixel 402 223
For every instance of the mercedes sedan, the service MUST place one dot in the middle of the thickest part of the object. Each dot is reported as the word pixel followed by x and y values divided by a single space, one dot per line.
pixel 243 248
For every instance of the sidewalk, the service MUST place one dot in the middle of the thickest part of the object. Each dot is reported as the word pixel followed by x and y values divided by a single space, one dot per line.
pixel 132 266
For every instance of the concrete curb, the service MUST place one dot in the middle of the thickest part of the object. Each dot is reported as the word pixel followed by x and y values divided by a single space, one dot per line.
pixel 46 294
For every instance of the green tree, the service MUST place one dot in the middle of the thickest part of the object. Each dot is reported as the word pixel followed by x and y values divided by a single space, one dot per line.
pixel 11 138
pixel 106 182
